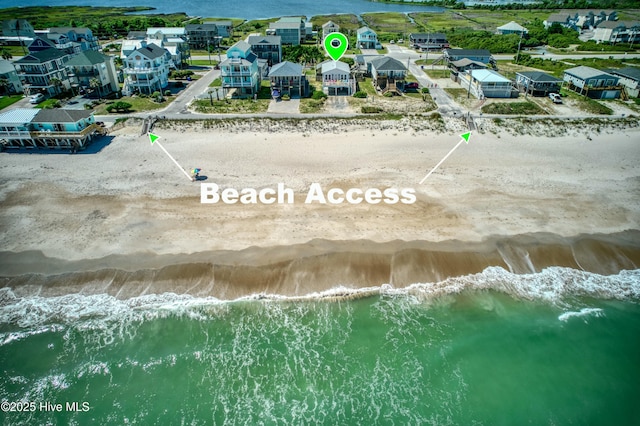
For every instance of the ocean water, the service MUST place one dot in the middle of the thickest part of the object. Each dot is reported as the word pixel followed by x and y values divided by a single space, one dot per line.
pixel 235 9
pixel 557 347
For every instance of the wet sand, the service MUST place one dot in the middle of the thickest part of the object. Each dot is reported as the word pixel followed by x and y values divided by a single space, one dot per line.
pixel 127 222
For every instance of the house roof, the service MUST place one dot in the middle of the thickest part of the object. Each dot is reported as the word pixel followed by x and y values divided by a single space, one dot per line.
pixel 134 35
pixel 284 25
pixel 467 52
pixel 430 36
pixel 363 30
pixel 330 24
pixel 335 65
pixel 260 39
pixel 296 19
pixel 18 115
pixel 488 76
pixel 41 56
pixel 42 41
pixel 286 69
pixel 151 51
pixel 386 63
pixel 632 73
pixel 220 23
pixel 610 24
pixel 201 27
pixel 175 31
pixel 6 67
pixel 241 45
pixel 558 17
pixel 77 30
pixel 61 115
pixel 88 57
pixel 513 26
pixel 585 72
pixel 539 76
pixel 466 62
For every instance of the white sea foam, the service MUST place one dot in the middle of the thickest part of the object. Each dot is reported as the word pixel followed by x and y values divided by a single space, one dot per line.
pixel 554 285
pixel 584 312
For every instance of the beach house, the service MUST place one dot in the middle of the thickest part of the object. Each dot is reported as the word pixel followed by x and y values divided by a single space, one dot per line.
pixel 537 83
pixel 617 32
pixel 200 36
pixel 81 37
pixel 268 48
pixel 146 70
pixel 94 71
pixel 592 83
pixel 328 28
pixel 485 83
pixel 367 38
pixel 386 73
pixel 12 83
pixel 44 72
pixel 55 128
pixel 240 72
pixel 290 29
pixel 512 28
pixel 476 55
pixel 17 28
pixel 287 78
pixel 562 19
pixel 629 78
pixel 336 79
pixel 428 41
pixel 174 39
pixel 225 28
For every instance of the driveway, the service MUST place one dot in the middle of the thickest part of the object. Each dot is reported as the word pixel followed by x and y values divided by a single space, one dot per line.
pixel 285 107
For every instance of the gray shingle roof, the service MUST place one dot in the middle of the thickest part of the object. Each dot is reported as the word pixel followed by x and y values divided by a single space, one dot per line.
pixel 260 39
pixel 629 72
pixel 61 115
pixel 88 57
pixel 41 56
pixel 364 30
pixel 152 51
pixel 585 72
pixel 386 63
pixel 539 76
pixel 286 69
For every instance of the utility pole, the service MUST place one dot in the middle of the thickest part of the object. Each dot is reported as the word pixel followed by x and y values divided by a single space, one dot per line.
pixel 209 50
pixel 519 44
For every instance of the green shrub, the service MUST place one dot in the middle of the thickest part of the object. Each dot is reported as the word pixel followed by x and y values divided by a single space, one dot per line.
pixel 425 90
pixel 318 94
pixel 155 94
pixel 367 109
pixel 119 106
pixel 167 92
pixel 285 97
pixel 360 94
pixel 388 95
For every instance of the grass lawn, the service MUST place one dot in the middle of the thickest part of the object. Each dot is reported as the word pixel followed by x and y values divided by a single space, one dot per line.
pixel 513 108
pixel 48 103
pixel 436 73
pixel 216 83
pixel 310 106
pixel 204 62
pixel 389 22
pixel 5 101
pixel 346 22
pixel 231 106
pixel 138 104
pixel 475 19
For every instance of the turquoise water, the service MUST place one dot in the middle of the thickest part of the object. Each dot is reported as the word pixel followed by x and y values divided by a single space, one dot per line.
pixel 461 357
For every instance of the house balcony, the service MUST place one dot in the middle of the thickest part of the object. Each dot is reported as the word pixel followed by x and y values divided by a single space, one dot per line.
pixel 232 74
pixel 141 70
pixel 232 84
pixel 15 134
pixel 92 128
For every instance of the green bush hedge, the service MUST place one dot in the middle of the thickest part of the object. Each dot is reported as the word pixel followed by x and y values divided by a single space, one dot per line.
pixel 371 109
pixel 360 94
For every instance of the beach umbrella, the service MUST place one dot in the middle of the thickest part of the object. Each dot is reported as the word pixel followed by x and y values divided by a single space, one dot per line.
pixel 196 170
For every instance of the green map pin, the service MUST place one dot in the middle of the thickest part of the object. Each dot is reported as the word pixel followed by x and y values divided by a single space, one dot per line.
pixel 336 44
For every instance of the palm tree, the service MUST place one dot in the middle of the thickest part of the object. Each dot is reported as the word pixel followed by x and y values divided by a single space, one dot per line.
pixel 94 83
pixel 4 85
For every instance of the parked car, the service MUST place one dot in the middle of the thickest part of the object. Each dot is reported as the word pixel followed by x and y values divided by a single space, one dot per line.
pixel 400 40
pixel 412 85
pixel 555 97
pixel 37 98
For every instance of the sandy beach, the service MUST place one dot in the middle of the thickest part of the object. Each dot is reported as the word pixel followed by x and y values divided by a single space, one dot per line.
pixel 129 208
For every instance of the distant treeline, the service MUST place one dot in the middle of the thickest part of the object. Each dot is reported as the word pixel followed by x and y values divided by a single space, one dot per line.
pixel 103 21
pixel 543 4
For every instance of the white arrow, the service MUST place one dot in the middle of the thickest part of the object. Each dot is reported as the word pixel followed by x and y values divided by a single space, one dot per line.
pixel 464 138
